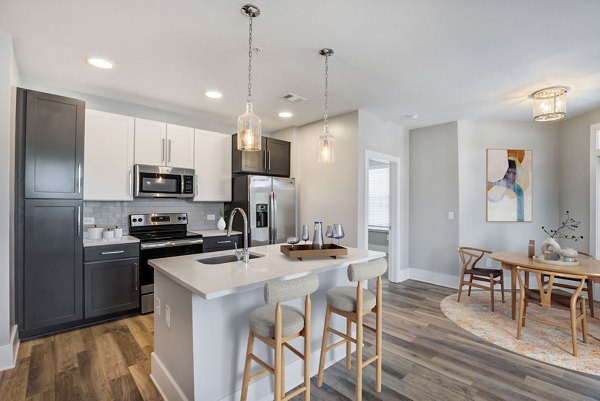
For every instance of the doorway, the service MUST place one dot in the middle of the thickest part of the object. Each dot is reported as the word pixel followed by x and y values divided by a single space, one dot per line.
pixel 383 229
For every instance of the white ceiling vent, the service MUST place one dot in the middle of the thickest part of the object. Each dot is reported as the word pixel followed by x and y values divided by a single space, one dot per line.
pixel 294 98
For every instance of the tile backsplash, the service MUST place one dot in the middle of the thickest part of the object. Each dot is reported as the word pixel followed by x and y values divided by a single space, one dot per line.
pixel 110 214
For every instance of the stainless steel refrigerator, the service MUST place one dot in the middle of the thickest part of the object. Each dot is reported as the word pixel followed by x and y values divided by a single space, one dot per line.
pixel 270 203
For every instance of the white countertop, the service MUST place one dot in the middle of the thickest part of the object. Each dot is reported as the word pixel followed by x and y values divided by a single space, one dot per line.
pixel 214 281
pixel 126 239
pixel 214 233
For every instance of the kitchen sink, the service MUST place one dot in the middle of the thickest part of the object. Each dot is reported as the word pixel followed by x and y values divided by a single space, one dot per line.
pixel 217 260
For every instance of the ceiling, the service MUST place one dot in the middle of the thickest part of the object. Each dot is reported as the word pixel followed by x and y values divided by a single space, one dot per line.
pixel 443 60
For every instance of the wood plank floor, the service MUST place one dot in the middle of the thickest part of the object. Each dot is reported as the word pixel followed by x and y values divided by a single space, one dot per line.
pixel 426 357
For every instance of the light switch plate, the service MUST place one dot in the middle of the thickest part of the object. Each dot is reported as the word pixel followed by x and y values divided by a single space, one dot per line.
pixel 450 215
pixel 210 217
pixel 157 306
pixel 89 221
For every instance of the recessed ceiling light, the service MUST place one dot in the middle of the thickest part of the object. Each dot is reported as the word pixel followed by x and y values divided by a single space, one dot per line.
pixel 100 63
pixel 213 94
pixel 285 114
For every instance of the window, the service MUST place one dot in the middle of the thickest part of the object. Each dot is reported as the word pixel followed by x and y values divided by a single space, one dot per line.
pixel 379 194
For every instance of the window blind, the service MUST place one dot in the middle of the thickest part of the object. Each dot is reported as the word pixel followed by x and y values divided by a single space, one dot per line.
pixel 379 196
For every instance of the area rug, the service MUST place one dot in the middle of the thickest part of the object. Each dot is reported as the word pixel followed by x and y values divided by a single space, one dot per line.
pixel 540 341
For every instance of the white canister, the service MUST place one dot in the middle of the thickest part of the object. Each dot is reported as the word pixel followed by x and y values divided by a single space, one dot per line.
pixel 118 232
pixel 108 234
pixel 94 232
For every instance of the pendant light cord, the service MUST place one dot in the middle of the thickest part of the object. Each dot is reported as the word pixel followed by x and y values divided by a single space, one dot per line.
pixel 326 94
pixel 249 97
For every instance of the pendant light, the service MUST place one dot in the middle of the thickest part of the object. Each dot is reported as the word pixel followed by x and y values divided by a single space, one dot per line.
pixel 249 125
pixel 550 104
pixel 326 140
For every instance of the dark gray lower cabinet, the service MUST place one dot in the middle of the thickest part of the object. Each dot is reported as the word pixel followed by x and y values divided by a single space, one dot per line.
pixel 52 261
pixel 111 279
pixel 222 243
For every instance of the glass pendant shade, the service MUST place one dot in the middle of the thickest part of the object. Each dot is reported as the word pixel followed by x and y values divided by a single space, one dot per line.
pixel 326 148
pixel 249 131
pixel 550 104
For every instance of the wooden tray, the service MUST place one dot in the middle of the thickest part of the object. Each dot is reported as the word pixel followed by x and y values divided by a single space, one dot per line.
pixel 541 259
pixel 306 251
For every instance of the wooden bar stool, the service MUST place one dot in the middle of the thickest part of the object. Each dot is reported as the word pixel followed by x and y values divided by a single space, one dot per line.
pixel 354 303
pixel 275 325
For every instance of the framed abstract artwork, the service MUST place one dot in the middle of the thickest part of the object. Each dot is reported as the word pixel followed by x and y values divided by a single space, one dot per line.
pixel 509 181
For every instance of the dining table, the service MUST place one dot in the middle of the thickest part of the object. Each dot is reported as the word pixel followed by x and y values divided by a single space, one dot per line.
pixel 511 260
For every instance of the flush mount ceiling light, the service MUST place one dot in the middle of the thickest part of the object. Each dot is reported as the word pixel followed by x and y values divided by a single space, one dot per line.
pixel 550 104
pixel 285 114
pixel 326 140
pixel 249 125
pixel 100 63
pixel 213 94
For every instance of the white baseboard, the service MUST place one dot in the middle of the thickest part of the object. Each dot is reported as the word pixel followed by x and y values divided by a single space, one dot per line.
pixel 403 275
pixel 8 352
pixel 445 280
pixel 162 379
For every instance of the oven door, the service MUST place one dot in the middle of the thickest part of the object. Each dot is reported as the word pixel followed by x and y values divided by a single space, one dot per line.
pixel 147 271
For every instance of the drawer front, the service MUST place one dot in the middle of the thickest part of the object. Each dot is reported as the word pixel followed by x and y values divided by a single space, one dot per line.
pixel 221 243
pixel 110 252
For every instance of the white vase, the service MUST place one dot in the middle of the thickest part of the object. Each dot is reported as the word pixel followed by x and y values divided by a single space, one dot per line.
pixel 221 224
pixel 551 249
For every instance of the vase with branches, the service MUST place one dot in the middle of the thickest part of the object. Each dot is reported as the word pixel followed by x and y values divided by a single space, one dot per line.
pixel 565 229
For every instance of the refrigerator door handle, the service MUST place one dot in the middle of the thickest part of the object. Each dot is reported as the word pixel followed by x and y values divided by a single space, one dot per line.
pixel 272 217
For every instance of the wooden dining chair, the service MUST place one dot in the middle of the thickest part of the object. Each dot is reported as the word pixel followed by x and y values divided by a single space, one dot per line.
pixel 589 286
pixel 546 297
pixel 469 258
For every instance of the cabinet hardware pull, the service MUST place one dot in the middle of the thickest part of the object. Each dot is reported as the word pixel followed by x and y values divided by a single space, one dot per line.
pixel 269 154
pixel 169 152
pixel 112 252
pixel 79 178
pixel 130 182
pixel 137 278
pixel 78 221
pixel 223 242
pixel 162 150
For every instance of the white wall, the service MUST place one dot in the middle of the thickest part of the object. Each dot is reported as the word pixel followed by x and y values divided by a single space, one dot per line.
pixel 473 140
pixel 574 175
pixel 8 78
pixel 377 135
pixel 433 193
pixel 327 192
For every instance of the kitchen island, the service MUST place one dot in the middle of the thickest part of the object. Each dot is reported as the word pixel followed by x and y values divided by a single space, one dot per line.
pixel 201 320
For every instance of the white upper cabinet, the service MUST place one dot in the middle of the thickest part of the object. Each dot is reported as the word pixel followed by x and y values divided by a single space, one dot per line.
pixel 150 142
pixel 109 146
pixel 161 144
pixel 212 162
pixel 180 146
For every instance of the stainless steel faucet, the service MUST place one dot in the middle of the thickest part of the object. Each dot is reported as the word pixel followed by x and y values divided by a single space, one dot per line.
pixel 244 253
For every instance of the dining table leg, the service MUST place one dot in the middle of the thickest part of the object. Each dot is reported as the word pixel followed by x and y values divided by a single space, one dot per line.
pixel 513 288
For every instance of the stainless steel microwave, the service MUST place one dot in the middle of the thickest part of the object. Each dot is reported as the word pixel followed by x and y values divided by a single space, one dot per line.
pixel 163 182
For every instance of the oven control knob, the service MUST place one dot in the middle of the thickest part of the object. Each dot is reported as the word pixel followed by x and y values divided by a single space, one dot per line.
pixel 179 218
pixel 184 218
pixel 135 220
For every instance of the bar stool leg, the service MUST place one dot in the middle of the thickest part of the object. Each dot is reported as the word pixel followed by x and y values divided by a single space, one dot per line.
pixel 379 334
pixel 324 346
pixel 359 341
pixel 348 344
pixel 249 351
pixel 307 320
pixel 282 371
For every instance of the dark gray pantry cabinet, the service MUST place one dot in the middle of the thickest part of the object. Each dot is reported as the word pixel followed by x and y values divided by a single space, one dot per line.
pixel 51 284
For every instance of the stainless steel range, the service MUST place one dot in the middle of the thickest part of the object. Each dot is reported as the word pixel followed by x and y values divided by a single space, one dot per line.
pixel 161 235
